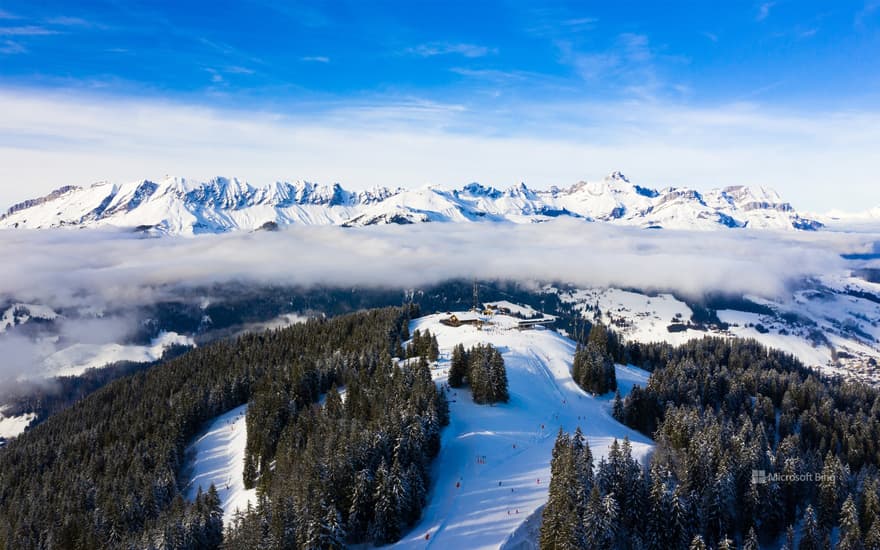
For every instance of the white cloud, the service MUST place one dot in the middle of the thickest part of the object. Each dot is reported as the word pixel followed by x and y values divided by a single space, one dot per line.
pixel 315 59
pixel 26 30
pixel 817 160
pixel 444 48
pixel 9 47
pixel 69 268
pixel 764 10
pixel 113 272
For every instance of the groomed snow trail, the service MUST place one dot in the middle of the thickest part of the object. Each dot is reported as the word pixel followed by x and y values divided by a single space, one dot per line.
pixel 218 458
pixel 494 465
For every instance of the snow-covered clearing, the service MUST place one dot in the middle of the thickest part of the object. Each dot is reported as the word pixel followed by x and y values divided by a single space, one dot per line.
pixel 826 328
pixel 19 314
pixel 12 426
pixel 494 465
pixel 637 316
pixel 518 309
pixel 76 359
pixel 218 458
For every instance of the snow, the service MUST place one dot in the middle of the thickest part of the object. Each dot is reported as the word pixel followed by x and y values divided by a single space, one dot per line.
pixel 12 426
pixel 638 317
pixel 496 496
pixel 175 205
pixel 850 325
pixel 518 309
pixel 218 458
pixel 77 358
pixel 18 314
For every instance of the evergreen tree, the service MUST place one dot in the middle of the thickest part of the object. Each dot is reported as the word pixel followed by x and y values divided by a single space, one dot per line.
pixel 850 532
pixel 433 352
pixel 458 366
pixel 811 539
pixel 386 525
pixel 870 504
pixel 332 534
pixel 596 529
pixel 360 511
pixel 617 407
pixel 561 526
pixel 751 542
pixel 872 537
pixel 598 337
pixel 789 539
pixel 830 488
pixel 697 543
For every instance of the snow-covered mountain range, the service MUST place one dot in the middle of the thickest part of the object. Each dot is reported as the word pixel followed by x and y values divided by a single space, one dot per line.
pixel 180 206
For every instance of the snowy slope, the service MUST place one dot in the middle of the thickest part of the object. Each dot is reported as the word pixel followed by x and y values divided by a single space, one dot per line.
pixel 19 314
pixel 217 457
pixel 494 463
pixel 75 359
pixel 180 206
pixel 11 426
pixel 833 325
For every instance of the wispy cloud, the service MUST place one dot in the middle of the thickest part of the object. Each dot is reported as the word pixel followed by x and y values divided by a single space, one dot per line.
pixel 551 22
pixel 26 30
pixel 764 11
pixel 870 8
pixel 710 35
pixel 47 140
pixel 445 48
pixel 807 33
pixel 629 64
pixel 8 47
pixel 67 21
pixel 7 15
pixel 216 76
pixel 237 69
pixel 315 59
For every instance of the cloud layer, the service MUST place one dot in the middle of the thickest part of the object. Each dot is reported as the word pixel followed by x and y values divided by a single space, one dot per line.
pixel 64 268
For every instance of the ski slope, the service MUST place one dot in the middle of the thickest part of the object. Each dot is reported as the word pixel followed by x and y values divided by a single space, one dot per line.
pixel 494 465
pixel 217 457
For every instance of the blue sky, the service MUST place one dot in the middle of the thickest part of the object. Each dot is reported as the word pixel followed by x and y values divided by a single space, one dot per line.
pixel 673 93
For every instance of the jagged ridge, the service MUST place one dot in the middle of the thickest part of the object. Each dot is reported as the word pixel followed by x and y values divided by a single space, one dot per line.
pixel 180 206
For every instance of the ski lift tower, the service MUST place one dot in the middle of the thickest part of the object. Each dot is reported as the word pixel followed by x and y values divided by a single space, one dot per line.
pixel 476 296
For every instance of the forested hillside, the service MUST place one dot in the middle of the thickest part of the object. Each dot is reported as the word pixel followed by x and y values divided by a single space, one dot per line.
pixel 750 447
pixel 104 472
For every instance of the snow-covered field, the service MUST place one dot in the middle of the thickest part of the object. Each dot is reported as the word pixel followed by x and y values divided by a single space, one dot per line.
pixel 828 328
pixel 217 457
pixel 11 426
pixel 77 358
pixel 494 465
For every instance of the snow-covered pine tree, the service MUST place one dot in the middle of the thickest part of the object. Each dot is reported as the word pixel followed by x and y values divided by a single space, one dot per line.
pixel 498 379
pixel 872 537
pixel 850 532
pixel 360 512
pixel 617 407
pixel 751 542
pixel 811 537
pixel 386 519
pixel 458 367
pixel 830 488
pixel 332 535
